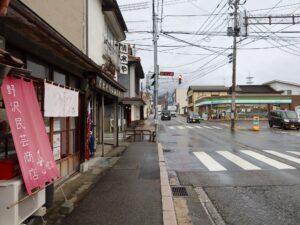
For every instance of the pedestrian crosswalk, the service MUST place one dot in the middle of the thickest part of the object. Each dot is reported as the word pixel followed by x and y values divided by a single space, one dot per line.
pixel 248 160
pixel 189 127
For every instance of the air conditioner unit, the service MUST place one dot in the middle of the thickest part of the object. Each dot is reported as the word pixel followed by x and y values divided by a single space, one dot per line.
pixel 12 210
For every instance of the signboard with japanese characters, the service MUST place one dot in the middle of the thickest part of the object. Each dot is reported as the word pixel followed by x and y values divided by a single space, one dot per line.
pixel 123 69
pixel 123 58
pixel 28 130
pixel 123 48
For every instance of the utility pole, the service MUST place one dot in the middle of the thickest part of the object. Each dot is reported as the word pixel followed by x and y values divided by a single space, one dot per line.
pixel 233 88
pixel 155 91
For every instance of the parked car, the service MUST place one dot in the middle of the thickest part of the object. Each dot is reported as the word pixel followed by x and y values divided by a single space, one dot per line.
pixel 173 113
pixel 165 115
pixel 193 117
pixel 284 119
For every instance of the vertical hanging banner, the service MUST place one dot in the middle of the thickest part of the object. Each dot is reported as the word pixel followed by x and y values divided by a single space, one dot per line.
pixel 123 48
pixel 29 134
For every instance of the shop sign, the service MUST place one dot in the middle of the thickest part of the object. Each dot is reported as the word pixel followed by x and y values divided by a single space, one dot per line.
pixel 29 134
pixel 103 85
pixel 244 101
pixel 123 58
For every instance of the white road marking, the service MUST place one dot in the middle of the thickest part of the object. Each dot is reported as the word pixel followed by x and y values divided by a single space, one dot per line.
pixel 209 162
pixel 219 128
pixel 199 127
pixel 267 160
pixel 238 161
pixel 279 154
pixel 207 127
pixel 294 152
pixel 189 127
pixel 180 127
pixel 172 128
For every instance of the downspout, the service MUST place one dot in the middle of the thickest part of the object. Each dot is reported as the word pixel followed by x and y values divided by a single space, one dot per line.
pixel 87 27
pixel 3 7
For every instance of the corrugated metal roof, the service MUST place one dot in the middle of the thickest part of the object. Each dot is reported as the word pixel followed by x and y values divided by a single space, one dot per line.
pixel 256 89
pixel 209 88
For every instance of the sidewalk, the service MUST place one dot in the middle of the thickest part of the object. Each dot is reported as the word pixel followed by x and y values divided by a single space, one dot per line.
pixel 129 193
pixel 128 186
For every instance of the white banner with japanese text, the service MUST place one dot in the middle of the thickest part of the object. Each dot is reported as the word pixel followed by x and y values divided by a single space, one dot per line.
pixel 60 102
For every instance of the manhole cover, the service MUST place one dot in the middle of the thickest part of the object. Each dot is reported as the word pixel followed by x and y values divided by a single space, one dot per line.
pixel 166 150
pixel 179 191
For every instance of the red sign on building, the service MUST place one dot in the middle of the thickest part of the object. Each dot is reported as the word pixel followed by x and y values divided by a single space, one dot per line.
pixel 29 134
pixel 169 74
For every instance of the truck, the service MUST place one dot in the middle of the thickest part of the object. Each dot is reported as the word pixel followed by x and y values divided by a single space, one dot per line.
pixel 172 109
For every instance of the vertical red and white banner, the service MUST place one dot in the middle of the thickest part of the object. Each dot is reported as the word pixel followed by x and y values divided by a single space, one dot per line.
pixel 88 130
pixel 29 134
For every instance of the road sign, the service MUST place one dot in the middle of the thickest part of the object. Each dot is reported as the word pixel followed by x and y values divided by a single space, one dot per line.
pixel 169 74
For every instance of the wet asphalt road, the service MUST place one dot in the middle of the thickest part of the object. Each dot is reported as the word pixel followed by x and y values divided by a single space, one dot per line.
pixel 252 178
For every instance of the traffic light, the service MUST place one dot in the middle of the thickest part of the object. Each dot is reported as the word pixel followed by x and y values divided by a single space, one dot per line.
pixel 153 77
pixel 230 58
pixel 179 79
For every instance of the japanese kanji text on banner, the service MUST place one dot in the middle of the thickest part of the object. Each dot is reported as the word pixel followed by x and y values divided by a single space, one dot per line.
pixel 29 134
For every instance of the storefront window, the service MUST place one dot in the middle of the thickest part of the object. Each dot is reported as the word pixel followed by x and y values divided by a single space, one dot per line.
pixel 74 82
pixel 39 70
pixel 59 78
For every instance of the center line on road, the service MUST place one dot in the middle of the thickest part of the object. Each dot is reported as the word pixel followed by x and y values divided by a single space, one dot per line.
pixel 290 158
pixel 189 127
pixel 238 161
pixel 209 162
pixel 172 128
pixel 199 127
pixel 267 160
pixel 180 127
pixel 217 127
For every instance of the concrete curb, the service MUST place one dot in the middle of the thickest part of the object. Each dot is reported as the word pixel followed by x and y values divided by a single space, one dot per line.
pixel 169 215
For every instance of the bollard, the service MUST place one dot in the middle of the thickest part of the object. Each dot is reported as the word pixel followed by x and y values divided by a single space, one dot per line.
pixel 255 126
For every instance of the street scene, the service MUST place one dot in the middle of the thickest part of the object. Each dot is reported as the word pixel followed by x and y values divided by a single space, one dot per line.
pixel 250 178
pixel 149 112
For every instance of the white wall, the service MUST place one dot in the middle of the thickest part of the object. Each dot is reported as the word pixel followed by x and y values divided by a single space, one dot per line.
pixel 181 98
pixel 96 28
pixel 132 81
pixel 283 87
pixel 65 16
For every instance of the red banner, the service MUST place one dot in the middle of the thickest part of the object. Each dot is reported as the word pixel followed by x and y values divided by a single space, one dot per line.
pixel 29 134
pixel 168 74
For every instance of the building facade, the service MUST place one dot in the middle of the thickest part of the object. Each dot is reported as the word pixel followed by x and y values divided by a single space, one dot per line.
pixel 30 33
pixel 194 93
pixel 287 88
pixel 181 100
pixel 133 102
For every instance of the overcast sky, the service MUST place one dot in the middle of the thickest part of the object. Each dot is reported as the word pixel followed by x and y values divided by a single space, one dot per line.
pixel 263 55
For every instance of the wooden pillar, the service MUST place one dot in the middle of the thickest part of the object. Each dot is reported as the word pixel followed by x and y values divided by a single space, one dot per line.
pixel 116 130
pixel 102 124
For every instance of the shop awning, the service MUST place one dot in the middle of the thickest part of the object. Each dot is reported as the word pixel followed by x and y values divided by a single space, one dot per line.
pixel 244 100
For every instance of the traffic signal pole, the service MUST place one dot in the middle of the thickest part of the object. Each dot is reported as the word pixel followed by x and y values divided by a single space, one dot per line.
pixel 155 92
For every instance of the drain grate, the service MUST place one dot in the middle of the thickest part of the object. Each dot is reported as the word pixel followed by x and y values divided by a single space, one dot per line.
pixel 179 191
